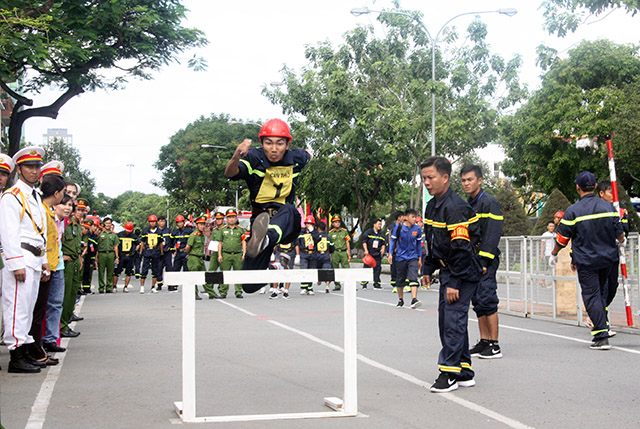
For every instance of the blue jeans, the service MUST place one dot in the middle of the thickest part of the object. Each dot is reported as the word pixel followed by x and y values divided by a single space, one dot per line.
pixel 54 307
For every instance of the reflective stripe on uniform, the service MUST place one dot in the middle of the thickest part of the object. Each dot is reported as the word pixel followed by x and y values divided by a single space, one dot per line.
pixel 486 254
pixel 251 170
pixel 589 217
pixel 490 216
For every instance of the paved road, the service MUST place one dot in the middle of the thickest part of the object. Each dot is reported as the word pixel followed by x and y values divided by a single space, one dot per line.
pixel 124 371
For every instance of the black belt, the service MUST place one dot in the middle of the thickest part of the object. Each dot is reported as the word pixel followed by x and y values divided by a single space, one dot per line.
pixel 106 251
pixel 231 253
pixel 309 252
pixel 255 211
pixel 36 251
pixel 341 250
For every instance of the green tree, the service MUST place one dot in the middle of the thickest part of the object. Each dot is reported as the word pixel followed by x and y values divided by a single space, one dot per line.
pixel 516 221
pixel 365 106
pixel 58 150
pixel 136 207
pixel 562 16
pixel 70 44
pixel 193 175
pixel 580 98
pixel 555 202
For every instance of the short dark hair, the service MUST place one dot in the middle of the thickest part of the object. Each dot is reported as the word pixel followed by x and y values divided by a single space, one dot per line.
pixel 107 219
pixel 50 185
pixel 376 220
pixel 409 212
pixel 322 226
pixel 442 164
pixel 477 170
pixel 604 185
pixel 398 214
pixel 551 222
pixel 162 217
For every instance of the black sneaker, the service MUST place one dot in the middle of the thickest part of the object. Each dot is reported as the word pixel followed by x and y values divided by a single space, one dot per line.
pixel 465 380
pixel 491 351
pixel 479 347
pixel 274 295
pixel 285 295
pixel 446 382
pixel 415 303
pixel 400 304
pixel 601 344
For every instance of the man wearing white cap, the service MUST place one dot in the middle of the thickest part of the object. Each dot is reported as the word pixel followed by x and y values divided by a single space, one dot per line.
pixel 23 231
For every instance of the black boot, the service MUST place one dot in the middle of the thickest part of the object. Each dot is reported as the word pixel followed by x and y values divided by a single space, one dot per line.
pixel 34 354
pixel 19 364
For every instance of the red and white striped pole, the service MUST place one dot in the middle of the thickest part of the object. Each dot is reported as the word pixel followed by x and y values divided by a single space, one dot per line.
pixel 623 259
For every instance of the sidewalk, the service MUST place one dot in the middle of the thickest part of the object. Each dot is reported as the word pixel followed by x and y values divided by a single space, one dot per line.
pixel 124 371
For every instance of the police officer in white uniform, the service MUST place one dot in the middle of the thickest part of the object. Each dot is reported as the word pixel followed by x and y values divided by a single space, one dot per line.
pixel 23 231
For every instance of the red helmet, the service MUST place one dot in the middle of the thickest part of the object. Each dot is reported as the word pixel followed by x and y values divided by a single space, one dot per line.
pixel 559 214
pixel 179 218
pixel 369 261
pixel 128 226
pixel 310 219
pixel 275 128
pixel 153 218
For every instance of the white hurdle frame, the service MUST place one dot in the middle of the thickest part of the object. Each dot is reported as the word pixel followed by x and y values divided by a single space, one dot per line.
pixel 186 409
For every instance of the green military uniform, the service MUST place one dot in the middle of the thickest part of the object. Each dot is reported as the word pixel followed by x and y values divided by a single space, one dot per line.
pixel 231 240
pixel 340 257
pixel 213 262
pixel 71 247
pixel 106 259
pixel 195 261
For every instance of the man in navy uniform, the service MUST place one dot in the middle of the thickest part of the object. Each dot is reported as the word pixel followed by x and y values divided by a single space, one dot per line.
pixel 595 228
pixel 485 301
pixel 167 248
pixel 180 235
pixel 373 243
pixel 151 250
pixel 271 173
pixel 451 232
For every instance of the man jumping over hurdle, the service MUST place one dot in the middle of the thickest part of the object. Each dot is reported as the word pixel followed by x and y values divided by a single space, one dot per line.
pixel 271 173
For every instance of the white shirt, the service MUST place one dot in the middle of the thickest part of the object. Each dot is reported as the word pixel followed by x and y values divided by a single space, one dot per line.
pixel 15 230
pixel 549 243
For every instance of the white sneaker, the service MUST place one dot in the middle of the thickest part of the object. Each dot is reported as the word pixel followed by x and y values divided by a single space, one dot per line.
pixel 264 289
pixel 141 289
pixel 154 290
pixel 303 291
pixel 125 290
pixel 310 292
pixel 612 333
pixel 285 295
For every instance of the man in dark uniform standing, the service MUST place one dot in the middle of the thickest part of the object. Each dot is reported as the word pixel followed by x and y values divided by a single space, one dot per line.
pixel 151 250
pixel 180 235
pixel 373 243
pixel 325 250
pixel 167 248
pixel 450 230
pixel 306 246
pixel 485 301
pixel 127 249
pixel 594 226
pixel 271 173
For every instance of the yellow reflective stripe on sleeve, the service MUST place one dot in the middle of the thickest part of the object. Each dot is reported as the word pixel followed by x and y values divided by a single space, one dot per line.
pixel 455 225
pixel 251 170
pixel 491 216
pixel 624 220
pixel 449 368
pixel 589 217
pixel 277 229
pixel 486 254
pixel 435 224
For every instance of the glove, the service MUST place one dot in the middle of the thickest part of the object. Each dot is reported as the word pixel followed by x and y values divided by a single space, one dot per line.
pixel 296 261
pixel 553 260
pixel 623 243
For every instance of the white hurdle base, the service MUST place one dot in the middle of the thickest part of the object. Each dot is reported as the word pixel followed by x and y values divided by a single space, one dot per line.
pixel 345 407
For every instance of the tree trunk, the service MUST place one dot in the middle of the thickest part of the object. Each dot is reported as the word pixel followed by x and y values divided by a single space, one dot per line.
pixel 18 116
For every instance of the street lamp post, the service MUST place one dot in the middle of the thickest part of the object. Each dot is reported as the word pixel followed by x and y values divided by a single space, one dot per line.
pixel 364 10
pixel 130 175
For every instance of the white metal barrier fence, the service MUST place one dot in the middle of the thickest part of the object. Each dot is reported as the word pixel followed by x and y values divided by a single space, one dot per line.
pixel 528 287
pixel 347 407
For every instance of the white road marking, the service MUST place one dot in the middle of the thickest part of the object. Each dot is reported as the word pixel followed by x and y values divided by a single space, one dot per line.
pixel 407 377
pixel 41 404
pixel 515 328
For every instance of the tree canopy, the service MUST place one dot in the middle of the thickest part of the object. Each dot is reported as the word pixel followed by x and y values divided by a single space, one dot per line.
pixel 79 46
pixel 563 16
pixel 584 97
pixel 365 108
pixel 194 175
pixel 58 150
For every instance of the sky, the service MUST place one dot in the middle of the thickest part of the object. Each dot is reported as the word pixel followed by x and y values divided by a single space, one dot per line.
pixel 249 42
